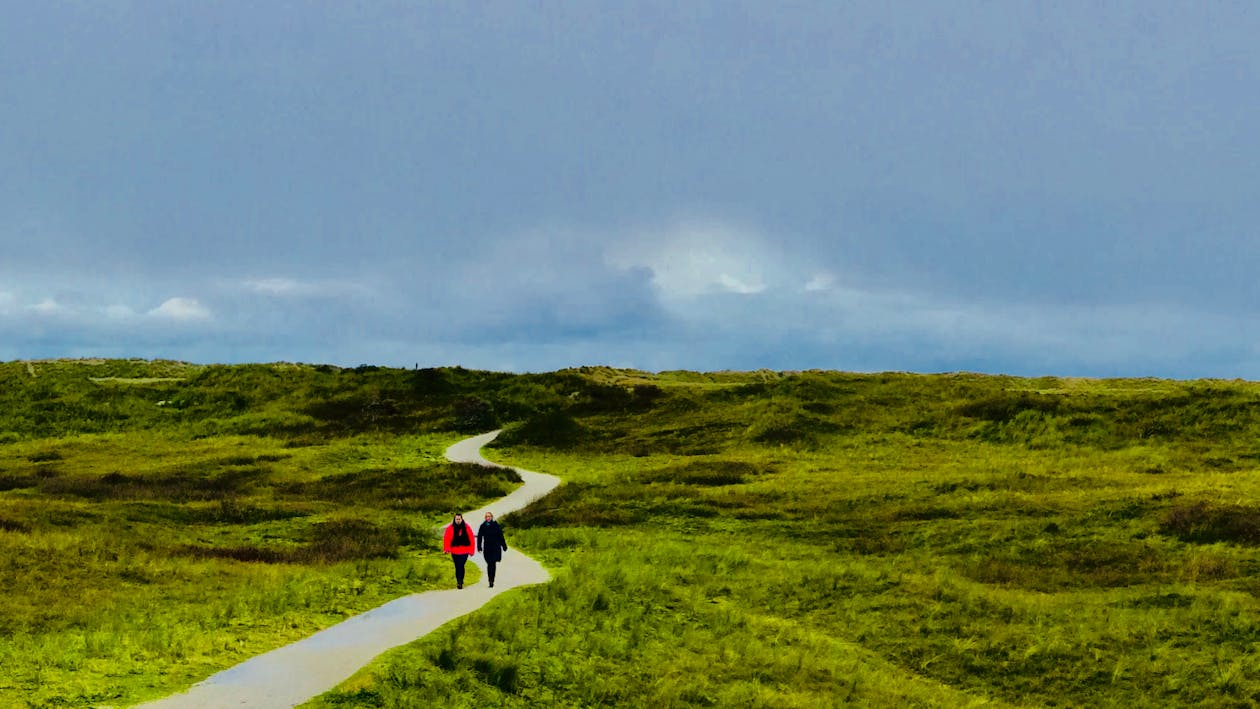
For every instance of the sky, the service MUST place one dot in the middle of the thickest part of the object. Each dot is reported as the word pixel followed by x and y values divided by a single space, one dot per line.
pixel 1024 188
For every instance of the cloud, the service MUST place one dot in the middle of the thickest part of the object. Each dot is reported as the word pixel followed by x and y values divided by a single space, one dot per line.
pixel 274 286
pixel 79 308
pixel 537 285
pixel 1080 198
pixel 549 299
pixel 735 285
pixel 181 309
pixel 697 257
pixel 119 312
pixel 284 287
pixel 820 282
pixel 48 306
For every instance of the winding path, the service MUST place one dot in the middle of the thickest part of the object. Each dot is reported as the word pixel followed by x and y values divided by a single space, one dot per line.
pixel 296 673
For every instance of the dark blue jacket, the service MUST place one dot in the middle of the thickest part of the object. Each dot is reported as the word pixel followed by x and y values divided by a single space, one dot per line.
pixel 490 541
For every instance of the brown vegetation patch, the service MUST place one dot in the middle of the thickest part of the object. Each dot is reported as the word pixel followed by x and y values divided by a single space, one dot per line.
pixel 332 542
pixel 1074 565
pixel 11 525
pixel 1006 406
pixel 176 487
pixel 1201 523
pixel 578 505
pixel 407 488
pixel 713 473
pixel 17 482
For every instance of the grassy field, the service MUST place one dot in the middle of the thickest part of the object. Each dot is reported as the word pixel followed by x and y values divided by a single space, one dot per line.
pixel 154 530
pixel 821 539
pixel 755 539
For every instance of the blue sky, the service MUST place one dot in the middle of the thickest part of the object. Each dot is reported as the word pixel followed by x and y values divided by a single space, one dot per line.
pixel 1023 188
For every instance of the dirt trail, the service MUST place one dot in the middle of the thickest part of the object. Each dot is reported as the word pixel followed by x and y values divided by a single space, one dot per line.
pixel 296 673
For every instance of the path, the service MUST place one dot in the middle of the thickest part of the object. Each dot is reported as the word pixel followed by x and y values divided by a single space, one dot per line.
pixel 296 673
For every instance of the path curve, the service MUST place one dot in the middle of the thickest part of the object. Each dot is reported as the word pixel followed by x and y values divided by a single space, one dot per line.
pixel 303 670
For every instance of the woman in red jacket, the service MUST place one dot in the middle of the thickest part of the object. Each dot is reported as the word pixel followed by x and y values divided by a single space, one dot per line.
pixel 459 542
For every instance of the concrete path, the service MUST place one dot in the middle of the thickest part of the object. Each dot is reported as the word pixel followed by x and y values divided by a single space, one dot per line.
pixel 296 673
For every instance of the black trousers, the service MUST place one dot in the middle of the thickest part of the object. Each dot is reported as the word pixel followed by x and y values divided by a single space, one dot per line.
pixel 490 569
pixel 459 560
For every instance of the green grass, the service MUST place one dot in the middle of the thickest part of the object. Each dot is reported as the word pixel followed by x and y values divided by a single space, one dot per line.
pixel 882 540
pixel 134 567
pixel 760 539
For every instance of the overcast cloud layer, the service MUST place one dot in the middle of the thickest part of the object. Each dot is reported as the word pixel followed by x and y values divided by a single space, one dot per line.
pixel 1019 188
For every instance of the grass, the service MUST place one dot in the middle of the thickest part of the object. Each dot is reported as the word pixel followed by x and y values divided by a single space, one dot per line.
pixel 136 563
pixel 759 539
pixel 881 540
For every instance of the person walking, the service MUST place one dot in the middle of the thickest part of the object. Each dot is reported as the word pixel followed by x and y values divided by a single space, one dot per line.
pixel 457 540
pixel 491 544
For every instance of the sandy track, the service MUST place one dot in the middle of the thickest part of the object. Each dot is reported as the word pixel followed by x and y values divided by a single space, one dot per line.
pixel 298 672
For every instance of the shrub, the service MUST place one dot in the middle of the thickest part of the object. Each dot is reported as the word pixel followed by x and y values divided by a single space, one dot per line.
pixel 474 415
pixel 431 382
pixel 554 428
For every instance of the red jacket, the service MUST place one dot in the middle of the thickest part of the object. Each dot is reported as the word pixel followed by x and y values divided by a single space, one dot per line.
pixel 470 548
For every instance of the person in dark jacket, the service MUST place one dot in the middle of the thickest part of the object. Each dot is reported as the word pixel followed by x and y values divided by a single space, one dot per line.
pixel 491 544
pixel 457 540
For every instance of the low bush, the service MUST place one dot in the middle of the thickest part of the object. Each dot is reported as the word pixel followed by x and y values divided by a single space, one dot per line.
pixel 555 429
